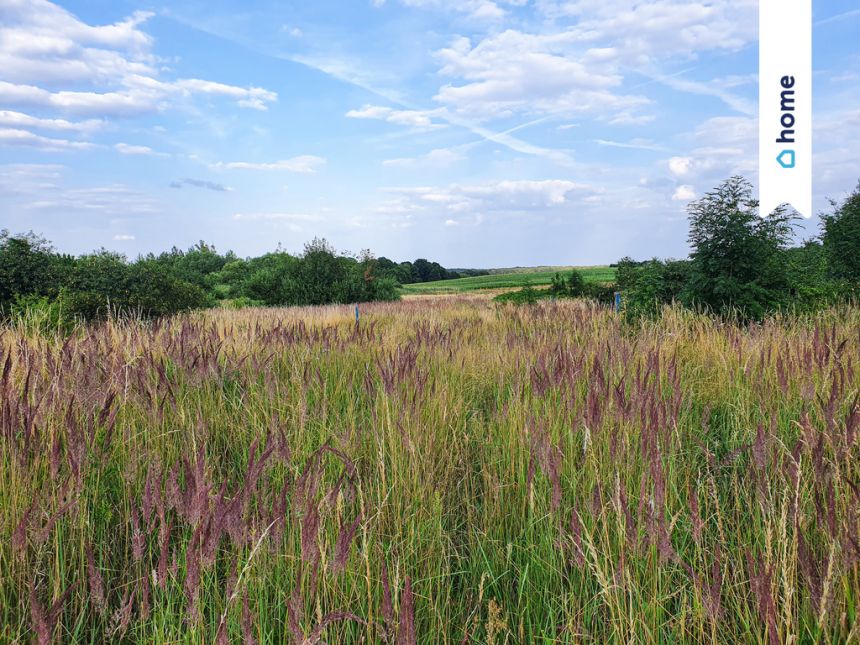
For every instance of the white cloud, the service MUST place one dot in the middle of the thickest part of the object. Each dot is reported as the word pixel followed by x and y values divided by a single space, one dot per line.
pixel 123 237
pixel 680 166
pixel 645 31
pixel 29 179
pixel 292 221
pixel 439 158
pixel 13 119
pixel 295 32
pixel 727 146
pixel 413 118
pixel 53 60
pixel 576 63
pixel 515 72
pixel 200 183
pixel 116 199
pixel 291 217
pixel 302 163
pixel 634 144
pixel 252 97
pixel 500 196
pixel 684 193
pixel 128 149
pixel 475 9
pixel 25 138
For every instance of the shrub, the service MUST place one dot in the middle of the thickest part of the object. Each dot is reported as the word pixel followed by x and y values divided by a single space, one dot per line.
pixel 647 286
pixel 34 314
pixel 242 302
pixel 528 295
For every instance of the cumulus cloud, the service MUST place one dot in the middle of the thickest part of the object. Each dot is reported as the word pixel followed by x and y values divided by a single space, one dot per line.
pixel 684 193
pixel 707 163
pixel 680 166
pixel 53 60
pixel 576 63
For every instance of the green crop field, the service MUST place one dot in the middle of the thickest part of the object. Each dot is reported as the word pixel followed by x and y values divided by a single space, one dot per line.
pixel 506 280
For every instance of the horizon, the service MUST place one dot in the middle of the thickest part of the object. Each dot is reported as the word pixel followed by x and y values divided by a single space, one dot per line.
pixel 485 134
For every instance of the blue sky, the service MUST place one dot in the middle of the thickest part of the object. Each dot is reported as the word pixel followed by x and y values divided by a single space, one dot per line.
pixel 475 133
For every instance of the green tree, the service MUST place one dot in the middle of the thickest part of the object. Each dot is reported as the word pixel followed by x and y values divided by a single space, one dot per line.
pixel 807 271
pixel 267 278
pixel 558 286
pixel 318 277
pixel 576 284
pixel 29 266
pixel 97 286
pixel 737 262
pixel 840 235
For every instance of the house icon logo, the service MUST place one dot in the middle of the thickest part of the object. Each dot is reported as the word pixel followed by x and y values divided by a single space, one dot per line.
pixel 786 159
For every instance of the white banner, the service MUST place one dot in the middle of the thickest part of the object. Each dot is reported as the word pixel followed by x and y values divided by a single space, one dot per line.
pixel 785 105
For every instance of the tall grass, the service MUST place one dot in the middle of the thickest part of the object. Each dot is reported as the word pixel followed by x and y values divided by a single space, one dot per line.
pixel 447 472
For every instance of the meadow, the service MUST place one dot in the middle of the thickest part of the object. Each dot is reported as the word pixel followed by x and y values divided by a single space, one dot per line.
pixel 515 279
pixel 454 471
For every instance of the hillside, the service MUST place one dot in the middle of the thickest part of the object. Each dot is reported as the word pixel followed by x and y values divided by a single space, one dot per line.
pixel 514 279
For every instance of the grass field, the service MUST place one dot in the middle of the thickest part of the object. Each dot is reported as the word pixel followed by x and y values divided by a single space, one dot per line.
pixel 464 472
pixel 506 280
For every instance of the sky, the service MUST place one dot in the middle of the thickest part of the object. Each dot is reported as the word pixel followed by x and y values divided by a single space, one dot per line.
pixel 477 133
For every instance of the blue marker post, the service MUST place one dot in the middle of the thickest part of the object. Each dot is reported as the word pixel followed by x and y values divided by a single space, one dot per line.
pixel 617 301
pixel 356 314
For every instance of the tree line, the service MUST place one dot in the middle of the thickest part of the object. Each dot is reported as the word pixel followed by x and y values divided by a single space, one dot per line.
pixel 747 266
pixel 740 265
pixel 65 288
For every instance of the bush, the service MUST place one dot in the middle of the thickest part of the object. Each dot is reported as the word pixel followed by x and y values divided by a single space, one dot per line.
pixel 647 286
pixel 242 302
pixel 528 295
pixel 35 314
pixel 153 292
pixel 602 292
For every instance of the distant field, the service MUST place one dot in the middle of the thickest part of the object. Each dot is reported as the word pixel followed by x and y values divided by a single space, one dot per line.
pixel 507 280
